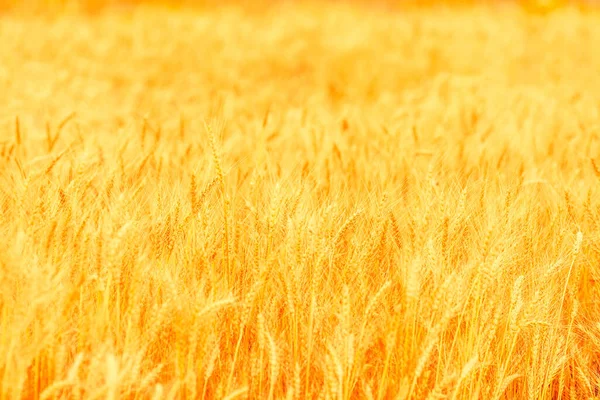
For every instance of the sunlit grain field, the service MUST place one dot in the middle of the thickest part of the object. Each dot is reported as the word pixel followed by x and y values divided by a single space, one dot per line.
pixel 300 201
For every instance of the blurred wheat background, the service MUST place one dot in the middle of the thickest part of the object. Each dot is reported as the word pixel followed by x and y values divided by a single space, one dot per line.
pixel 299 200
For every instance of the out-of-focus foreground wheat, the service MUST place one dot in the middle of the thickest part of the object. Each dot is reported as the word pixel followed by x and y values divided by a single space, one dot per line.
pixel 312 201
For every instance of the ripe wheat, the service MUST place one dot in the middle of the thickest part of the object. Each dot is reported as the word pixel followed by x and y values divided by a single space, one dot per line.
pixel 299 200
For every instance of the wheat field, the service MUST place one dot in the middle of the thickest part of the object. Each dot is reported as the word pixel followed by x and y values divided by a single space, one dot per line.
pixel 299 201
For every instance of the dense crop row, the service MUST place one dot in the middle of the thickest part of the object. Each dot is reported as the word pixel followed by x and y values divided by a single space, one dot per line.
pixel 334 201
